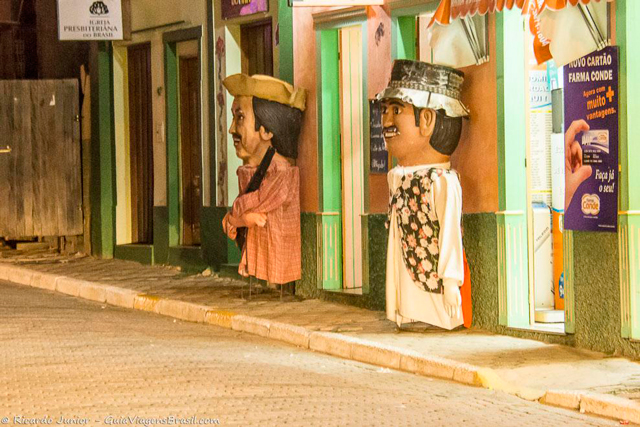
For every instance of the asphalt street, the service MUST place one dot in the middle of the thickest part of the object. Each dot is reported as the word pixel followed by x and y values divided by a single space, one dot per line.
pixel 65 361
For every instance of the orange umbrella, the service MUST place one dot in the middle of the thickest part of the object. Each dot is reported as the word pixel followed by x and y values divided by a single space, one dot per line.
pixel 458 40
pixel 449 10
pixel 546 28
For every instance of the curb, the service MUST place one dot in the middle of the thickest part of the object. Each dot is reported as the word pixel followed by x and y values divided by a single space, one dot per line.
pixel 343 346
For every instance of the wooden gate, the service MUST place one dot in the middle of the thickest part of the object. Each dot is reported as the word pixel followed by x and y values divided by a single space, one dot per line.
pixel 40 181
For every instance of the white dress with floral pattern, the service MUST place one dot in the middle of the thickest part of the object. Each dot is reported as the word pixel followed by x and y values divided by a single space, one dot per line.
pixel 407 300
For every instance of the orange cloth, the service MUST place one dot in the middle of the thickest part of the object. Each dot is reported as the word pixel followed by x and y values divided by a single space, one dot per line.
pixel 273 252
pixel 465 294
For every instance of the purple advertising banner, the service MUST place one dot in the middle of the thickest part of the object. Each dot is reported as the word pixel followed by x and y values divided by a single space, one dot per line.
pixel 237 8
pixel 591 142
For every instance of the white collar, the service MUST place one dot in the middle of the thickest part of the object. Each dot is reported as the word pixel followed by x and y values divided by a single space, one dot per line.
pixel 402 170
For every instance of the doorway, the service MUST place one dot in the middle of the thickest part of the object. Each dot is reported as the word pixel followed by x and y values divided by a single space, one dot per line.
pixel 140 142
pixel 190 149
pixel 342 108
pixel 545 192
pixel 535 252
pixel 257 48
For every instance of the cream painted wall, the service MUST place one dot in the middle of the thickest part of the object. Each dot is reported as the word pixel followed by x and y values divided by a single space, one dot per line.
pixel 233 66
pixel 146 14
pixel 188 48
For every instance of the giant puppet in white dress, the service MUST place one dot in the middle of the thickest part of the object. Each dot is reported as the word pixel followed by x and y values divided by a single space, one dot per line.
pixel 422 120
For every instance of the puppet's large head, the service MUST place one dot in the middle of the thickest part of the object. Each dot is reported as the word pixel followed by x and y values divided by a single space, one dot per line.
pixel 266 112
pixel 422 112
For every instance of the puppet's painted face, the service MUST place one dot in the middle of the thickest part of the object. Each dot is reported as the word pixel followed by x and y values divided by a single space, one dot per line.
pixel 246 139
pixel 401 134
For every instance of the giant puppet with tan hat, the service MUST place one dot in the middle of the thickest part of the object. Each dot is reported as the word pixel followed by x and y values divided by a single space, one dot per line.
pixel 422 122
pixel 265 217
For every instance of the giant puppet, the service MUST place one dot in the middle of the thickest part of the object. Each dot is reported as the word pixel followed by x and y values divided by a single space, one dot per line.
pixel 265 217
pixel 422 121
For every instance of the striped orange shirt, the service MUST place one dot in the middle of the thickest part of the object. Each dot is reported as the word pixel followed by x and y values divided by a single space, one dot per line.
pixel 272 252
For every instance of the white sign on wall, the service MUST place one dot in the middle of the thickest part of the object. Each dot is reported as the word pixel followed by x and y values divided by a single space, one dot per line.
pixel 90 20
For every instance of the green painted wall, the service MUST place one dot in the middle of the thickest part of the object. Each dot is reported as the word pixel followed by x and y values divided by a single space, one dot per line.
pixel 214 241
pixel 597 294
pixel 480 245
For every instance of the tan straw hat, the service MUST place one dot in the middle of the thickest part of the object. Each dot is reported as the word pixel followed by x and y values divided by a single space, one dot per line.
pixel 266 87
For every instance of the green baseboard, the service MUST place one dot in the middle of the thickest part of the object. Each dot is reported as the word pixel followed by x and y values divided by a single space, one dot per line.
pixel 189 258
pixel 135 252
pixel 160 234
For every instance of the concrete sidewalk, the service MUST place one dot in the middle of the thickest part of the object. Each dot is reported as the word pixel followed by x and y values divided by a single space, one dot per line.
pixel 552 374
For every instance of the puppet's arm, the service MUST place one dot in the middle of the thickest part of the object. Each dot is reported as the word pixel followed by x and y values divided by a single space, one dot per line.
pixel 448 204
pixel 250 209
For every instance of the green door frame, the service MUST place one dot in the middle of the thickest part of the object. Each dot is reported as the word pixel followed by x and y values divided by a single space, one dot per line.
pixel 176 254
pixel 513 260
pixel 403 42
pixel 329 219
pixel 103 180
pixel 403 27
pixel 329 158
pixel 627 36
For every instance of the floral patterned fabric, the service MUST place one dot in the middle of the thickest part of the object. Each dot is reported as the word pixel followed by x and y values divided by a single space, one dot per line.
pixel 419 227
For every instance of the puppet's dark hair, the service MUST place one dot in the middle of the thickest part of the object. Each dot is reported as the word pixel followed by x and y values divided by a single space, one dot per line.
pixel 446 132
pixel 282 121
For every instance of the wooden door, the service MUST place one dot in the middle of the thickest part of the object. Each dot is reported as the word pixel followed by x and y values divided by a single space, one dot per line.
pixel 40 169
pixel 141 142
pixel 257 48
pixel 191 149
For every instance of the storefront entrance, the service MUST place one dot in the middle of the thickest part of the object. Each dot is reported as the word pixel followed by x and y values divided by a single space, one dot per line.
pixel 535 253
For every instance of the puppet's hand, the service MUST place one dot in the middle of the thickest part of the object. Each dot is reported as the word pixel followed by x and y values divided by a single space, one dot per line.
pixel 452 298
pixel 229 229
pixel 251 219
